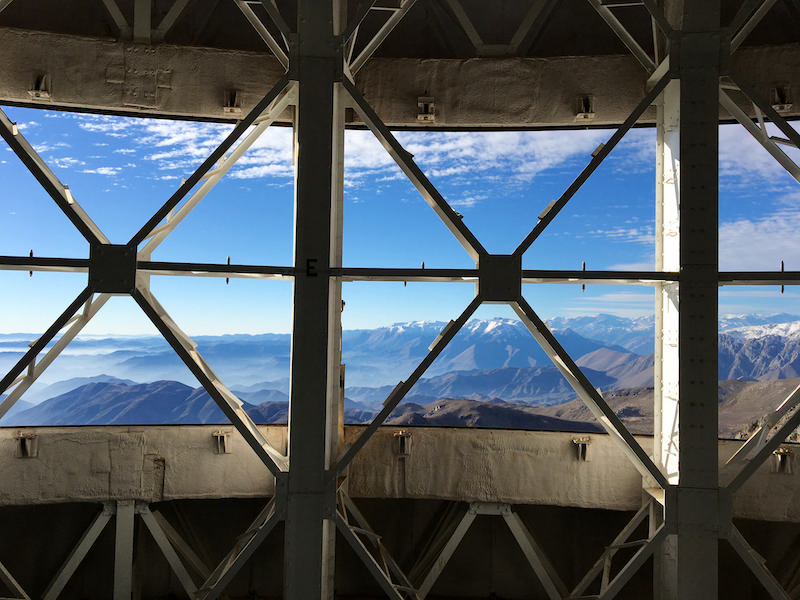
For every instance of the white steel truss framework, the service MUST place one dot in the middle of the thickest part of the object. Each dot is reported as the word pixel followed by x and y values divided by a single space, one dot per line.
pixel 321 57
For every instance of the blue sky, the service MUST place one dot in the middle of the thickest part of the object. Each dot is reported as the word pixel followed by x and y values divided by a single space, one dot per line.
pixel 121 170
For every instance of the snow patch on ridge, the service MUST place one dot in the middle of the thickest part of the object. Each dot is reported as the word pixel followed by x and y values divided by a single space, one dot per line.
pixel 789 331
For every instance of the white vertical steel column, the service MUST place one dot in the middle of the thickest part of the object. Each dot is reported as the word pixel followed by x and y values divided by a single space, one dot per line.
pixel 123 550
pixel 694 511
pixel 666 294
pixel 335 397
pixel 666 384
pixel 311 493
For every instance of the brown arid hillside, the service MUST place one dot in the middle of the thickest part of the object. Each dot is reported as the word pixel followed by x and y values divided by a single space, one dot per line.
pixel 742 404
pixel 450 412
pixel 633 405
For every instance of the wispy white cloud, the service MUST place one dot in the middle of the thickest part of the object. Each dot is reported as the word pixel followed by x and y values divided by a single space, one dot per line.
pixel 103 171
pixel 623 304
pixel 762 243
pixel 636 152
pixel 261 171
pixel 480 161
pixel 449 158
pixel 743 161
pixel 47 147
pixel 765 292
pixel 66 162
pixel 637 266
pixel 467 201
pixel 764 300
pixel 638 235
pixel 523 155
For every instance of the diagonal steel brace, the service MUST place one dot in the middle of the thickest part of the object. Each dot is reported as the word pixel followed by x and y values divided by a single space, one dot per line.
pixel 402 388
pixel 47 179
pixel 383 33
pixel 590 396
pixel 245 546
pixel 598 157
pixel 276 462
pixel 237 132
pixel 48 335
pixel 35 369
pixel 406 163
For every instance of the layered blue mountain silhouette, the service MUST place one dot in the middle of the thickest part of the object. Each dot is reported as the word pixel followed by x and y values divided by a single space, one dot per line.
pixel 492 374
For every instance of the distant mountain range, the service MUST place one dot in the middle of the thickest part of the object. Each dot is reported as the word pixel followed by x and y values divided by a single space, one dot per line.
pixel 760 352
pixel 491 368
pixel 374 357
pixel 741 404
pixel 119 403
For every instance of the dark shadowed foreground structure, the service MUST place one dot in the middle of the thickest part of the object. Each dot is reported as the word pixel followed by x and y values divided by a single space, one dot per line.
pixel 366 512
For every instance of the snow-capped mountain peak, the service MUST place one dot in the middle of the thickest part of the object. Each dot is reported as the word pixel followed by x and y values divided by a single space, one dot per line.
pixel 789 331
pixel 729 322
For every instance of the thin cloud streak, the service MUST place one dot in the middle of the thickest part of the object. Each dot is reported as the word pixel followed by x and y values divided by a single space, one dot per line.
pixel 621 304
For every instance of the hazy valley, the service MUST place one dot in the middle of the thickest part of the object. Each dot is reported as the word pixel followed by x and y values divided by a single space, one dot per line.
pixel 493 374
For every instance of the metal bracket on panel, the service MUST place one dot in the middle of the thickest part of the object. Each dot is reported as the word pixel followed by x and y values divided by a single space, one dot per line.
pixel 490 508
pixel 41 88
pixel 426 107
pixel 232 104
pixel 402 445
pixel 222 442
pixel 27 445
pixel 780 97
pixel 782 460
pixel 546 210
pixel 582 448
pixel 585 108
pixel 441 335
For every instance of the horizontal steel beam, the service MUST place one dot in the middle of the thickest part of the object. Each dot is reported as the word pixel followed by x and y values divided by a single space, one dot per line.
pixel 759 277
pixel 214 270
pixel 30 263
pixel 531 276
pixel 473 92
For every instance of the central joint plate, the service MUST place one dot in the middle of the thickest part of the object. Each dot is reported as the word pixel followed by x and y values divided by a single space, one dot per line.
pixel 112 269
pixel 500 277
